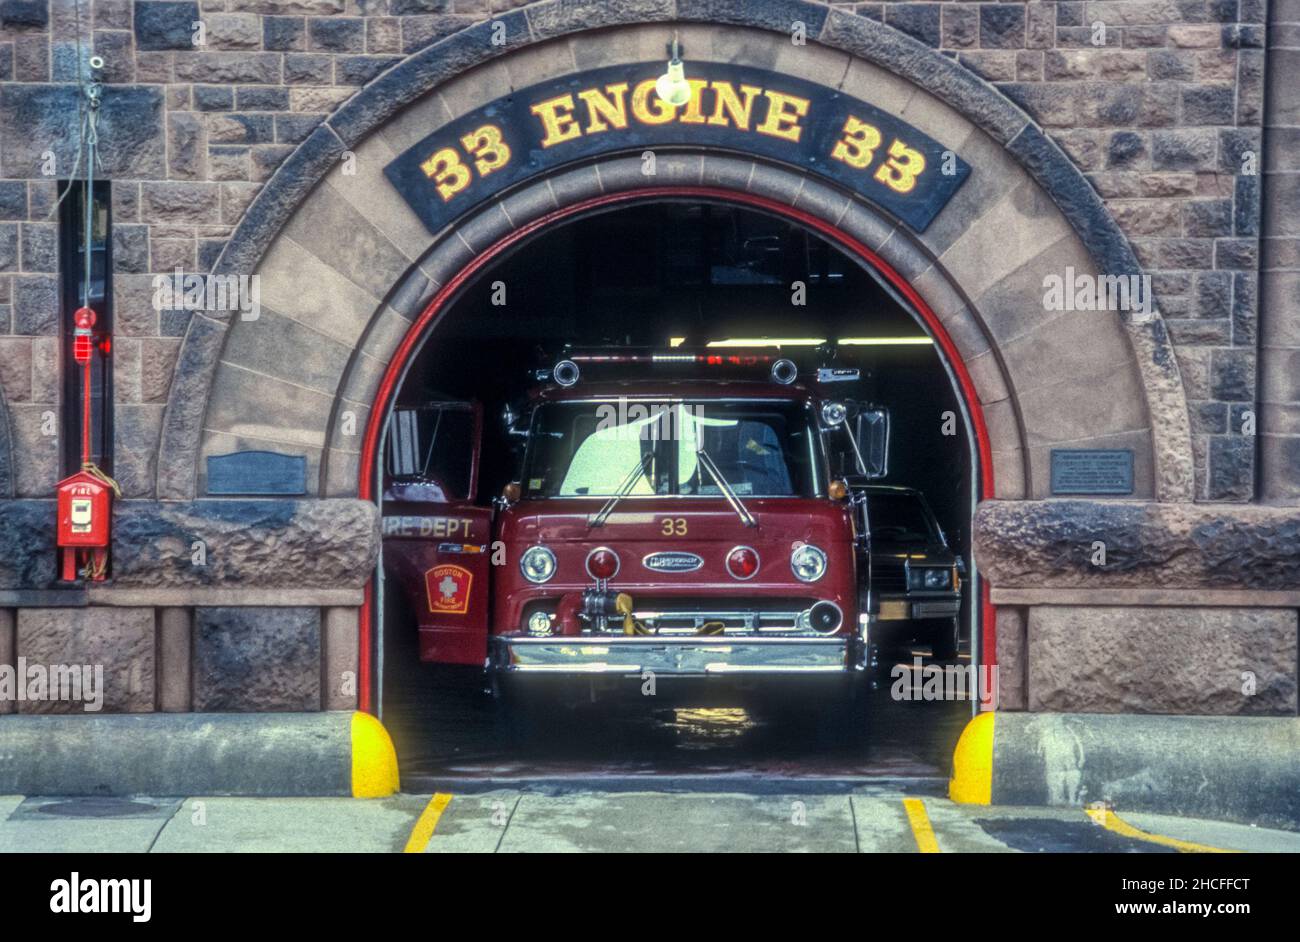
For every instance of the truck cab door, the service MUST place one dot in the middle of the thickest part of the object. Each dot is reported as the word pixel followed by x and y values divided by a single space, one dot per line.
pixel 437 540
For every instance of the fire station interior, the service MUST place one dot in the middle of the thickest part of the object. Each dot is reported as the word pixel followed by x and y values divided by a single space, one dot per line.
pixel 690 274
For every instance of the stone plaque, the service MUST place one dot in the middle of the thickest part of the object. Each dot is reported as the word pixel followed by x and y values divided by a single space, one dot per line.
pixel 257 473
pixel 1092 471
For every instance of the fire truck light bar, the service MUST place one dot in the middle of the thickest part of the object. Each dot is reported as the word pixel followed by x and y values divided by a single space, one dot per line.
pixel 568 370
pixel 707 359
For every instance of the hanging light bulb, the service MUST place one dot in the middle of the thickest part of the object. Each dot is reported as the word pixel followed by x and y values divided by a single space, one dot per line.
pixel 672 86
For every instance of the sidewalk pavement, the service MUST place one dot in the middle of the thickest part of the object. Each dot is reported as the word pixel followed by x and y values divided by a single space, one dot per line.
pixel 866 819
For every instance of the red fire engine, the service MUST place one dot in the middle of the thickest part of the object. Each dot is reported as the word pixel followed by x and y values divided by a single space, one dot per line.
pixel 675 515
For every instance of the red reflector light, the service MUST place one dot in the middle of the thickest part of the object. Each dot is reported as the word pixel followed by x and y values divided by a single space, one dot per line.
pixel 602 563
pixel 742 562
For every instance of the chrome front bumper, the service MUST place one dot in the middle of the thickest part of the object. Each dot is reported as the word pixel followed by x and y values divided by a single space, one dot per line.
pixel 680 657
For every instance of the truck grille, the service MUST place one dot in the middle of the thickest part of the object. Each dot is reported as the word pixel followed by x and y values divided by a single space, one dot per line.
pixel 888 576
pixel 733 622
pixel 780 617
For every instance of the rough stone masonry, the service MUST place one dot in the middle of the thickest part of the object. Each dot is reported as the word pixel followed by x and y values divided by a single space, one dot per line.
pixel 1160 103
pixel 1162 115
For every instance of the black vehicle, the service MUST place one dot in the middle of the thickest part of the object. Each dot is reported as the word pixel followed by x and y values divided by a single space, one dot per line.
pixel 914 581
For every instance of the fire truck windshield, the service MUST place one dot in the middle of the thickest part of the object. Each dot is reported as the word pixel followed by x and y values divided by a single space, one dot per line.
pixel 761 448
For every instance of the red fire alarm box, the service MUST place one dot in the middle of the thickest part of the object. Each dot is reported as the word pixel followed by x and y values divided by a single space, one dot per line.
pixel 85 506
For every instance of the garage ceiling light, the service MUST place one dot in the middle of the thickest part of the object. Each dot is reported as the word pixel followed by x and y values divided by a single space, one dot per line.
pixel 767 342
pixel 815 341
pixel 885 341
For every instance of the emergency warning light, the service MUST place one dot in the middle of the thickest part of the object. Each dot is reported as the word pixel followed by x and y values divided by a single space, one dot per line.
pixel 620 362
pixel 83 339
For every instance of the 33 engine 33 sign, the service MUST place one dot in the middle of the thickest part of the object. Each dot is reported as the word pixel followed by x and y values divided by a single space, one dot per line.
pixel 448 588
pixel 735 108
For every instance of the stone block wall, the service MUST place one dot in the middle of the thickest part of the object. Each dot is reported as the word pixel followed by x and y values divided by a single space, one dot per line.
pixel 264 618
pixel 1126 607
pixel 256 659
pixel 1280 268
pixel 119 642
pixel 213 659
pixel 1200 661
pixel 1158 101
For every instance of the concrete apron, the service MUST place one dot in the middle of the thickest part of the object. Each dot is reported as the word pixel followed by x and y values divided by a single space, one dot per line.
pixel 248 754
pixel 1244 769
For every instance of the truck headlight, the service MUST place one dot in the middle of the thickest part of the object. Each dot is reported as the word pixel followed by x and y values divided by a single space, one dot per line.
pixel 537 564
pixel 808 563
pixel 929 579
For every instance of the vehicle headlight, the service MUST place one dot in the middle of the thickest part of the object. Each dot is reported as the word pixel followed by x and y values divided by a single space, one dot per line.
pixel 929 578
pixel 537 564
pixel 808 563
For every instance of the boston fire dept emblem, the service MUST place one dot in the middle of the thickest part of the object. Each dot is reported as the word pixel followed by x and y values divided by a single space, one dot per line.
pixel 448 588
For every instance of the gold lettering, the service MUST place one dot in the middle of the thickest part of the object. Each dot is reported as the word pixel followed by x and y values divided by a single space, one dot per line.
pixel 485 145
pixel 640 102
pixel 858 144
pixel 558 124
pixel 448 174
pixel 900 171
pixel 783 114
pixel 693 114
pixel 727 99
pixel 601 109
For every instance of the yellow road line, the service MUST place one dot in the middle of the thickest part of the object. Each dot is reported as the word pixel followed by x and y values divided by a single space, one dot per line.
pixel 1114 823
pixel 921 829
pixel 424 825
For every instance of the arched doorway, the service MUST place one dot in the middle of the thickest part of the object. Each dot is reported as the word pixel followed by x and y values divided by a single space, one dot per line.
pixel 983 643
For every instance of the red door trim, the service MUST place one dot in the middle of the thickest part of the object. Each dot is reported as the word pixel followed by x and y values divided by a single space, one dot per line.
pixel 396 365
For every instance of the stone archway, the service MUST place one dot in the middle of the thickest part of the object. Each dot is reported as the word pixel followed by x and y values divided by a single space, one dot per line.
pixel 346 265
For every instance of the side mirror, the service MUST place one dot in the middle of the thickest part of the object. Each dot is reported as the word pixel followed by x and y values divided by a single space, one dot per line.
pixel 510 422
pixel 871 429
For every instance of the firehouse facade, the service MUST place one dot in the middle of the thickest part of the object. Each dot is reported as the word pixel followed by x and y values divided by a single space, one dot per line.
pixel 338 170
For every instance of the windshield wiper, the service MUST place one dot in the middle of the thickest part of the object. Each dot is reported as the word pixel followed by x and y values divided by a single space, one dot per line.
pixel 623 490
pixel 741 510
